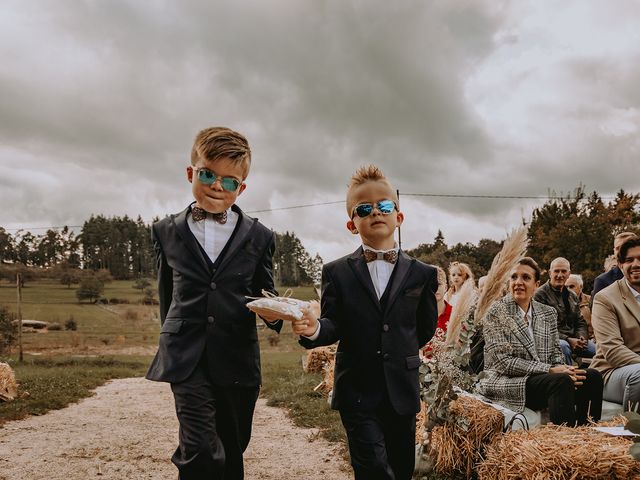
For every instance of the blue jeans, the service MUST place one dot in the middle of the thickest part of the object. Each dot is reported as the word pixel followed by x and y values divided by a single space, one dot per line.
pixel 588 352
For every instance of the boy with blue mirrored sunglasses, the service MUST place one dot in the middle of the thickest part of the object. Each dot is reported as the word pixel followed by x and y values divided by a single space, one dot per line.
pixel 380 305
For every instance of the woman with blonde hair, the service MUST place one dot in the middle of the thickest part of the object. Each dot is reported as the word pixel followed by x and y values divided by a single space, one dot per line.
pixel 459 275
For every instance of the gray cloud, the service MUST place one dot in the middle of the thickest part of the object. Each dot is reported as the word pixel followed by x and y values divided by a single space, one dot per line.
pixel 468 97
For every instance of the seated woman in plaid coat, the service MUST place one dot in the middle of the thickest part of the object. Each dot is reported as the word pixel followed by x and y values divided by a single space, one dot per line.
pixel 524 365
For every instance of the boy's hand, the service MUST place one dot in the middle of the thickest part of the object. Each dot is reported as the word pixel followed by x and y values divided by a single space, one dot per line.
pixel 308 324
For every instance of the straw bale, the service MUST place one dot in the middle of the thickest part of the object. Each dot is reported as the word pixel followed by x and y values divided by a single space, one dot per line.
pixel 326 385
pixel 8 385
pixel 318 357
pixel 553 452
pixel 421 420
pixel 456 449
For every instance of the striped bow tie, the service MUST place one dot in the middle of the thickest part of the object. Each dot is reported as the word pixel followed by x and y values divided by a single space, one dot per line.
pixel 198 214
pixel 390 256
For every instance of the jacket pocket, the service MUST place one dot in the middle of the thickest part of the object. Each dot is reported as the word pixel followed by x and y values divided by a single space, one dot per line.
pixel 172 325
pixel 413 292
pixel 413 362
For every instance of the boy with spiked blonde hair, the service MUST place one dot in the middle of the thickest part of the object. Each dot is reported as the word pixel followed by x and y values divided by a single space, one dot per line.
pixel 379 303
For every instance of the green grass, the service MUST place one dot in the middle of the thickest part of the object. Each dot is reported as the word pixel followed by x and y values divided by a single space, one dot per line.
pixel 123 325
pixel 52 383
pixel 286 385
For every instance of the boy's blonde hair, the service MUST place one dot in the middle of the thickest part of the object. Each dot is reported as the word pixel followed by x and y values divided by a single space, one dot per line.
pixel 364 174
pixel 220 142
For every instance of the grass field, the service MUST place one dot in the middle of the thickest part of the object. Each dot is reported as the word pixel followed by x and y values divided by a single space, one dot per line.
pixel 122 325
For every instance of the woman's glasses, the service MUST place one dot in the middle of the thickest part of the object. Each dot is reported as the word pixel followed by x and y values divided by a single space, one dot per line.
pixel 385 207
pixel 207 177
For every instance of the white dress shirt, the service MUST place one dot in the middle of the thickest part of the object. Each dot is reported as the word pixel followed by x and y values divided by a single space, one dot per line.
pixel 380 271
pixel 211 235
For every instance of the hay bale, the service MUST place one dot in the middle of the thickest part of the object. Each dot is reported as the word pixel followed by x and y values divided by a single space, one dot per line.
pixel 317 358
pixel 557 452
pixel 8 385
pixel 458 448
pixel 326 385
pixel 421 420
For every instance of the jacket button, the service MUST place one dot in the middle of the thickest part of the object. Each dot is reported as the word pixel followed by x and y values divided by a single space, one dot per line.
pixel 386 356
pixel 385 327
pixel 213 285
pixel 210 319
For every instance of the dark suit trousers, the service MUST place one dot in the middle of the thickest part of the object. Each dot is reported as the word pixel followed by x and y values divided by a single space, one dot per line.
pixel 215 427
pixel 381 443
pixel 567 404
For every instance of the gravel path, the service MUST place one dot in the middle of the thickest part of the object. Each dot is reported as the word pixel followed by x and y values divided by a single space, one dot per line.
pixel 128 430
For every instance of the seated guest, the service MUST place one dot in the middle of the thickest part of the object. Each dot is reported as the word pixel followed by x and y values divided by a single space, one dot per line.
pixel 459 274
pixel 612 271
pixel 523 363
pixel 616 323
pixel 444 313
pixel 575 284
pixel 572 328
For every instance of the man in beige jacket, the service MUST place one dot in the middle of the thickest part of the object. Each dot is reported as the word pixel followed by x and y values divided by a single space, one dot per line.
pixel 616 323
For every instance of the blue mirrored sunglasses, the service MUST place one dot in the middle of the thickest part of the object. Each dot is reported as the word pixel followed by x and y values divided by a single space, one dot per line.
pixel 385 207
pixel 207 177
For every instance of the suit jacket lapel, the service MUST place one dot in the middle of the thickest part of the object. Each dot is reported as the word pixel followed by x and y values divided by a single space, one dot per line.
pixel 359 266
pixel 238 238
pixel 522 331
pixel 403 265
pixel 183 230
pixel 629 300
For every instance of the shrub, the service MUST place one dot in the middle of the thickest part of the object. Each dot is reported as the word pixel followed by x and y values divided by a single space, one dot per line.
pixel 131 314
pixel 54 326
pixel 91 289
pixel 141 283
pixel 71 324
pixel 8 331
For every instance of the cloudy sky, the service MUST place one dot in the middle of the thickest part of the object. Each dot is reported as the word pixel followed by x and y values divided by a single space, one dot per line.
pixel 100 101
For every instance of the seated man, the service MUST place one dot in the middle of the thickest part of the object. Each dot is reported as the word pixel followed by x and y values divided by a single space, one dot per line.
pixel 572 329
pixel 576 284
pixel 616 323
pixel 614 272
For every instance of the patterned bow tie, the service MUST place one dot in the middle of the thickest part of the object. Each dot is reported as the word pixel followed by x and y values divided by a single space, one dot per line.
pixel 390 256
pixel 198 214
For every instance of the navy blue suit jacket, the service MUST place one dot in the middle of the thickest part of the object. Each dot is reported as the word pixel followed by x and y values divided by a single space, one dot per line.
pixel 379 341
pixel 204 308
pixel 605 279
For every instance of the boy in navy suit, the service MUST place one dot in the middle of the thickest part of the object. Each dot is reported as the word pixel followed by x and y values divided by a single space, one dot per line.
pixel 210 257
pixel 379 303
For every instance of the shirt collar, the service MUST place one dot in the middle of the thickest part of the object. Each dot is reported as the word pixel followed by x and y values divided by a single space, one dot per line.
pixel 529 312
pixel 634 292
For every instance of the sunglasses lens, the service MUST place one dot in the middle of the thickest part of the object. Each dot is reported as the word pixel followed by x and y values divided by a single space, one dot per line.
pixel 229 184
pixel 386 206
pixel 205 176
pixel 364 209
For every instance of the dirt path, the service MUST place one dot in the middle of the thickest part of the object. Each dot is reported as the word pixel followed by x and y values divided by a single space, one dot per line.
pixel 128 431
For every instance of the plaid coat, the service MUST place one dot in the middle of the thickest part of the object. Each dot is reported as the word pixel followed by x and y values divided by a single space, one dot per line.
pixel 510 355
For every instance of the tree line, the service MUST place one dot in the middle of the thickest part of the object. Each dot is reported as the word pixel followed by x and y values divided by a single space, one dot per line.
pixel 121 248
pixel 579 227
